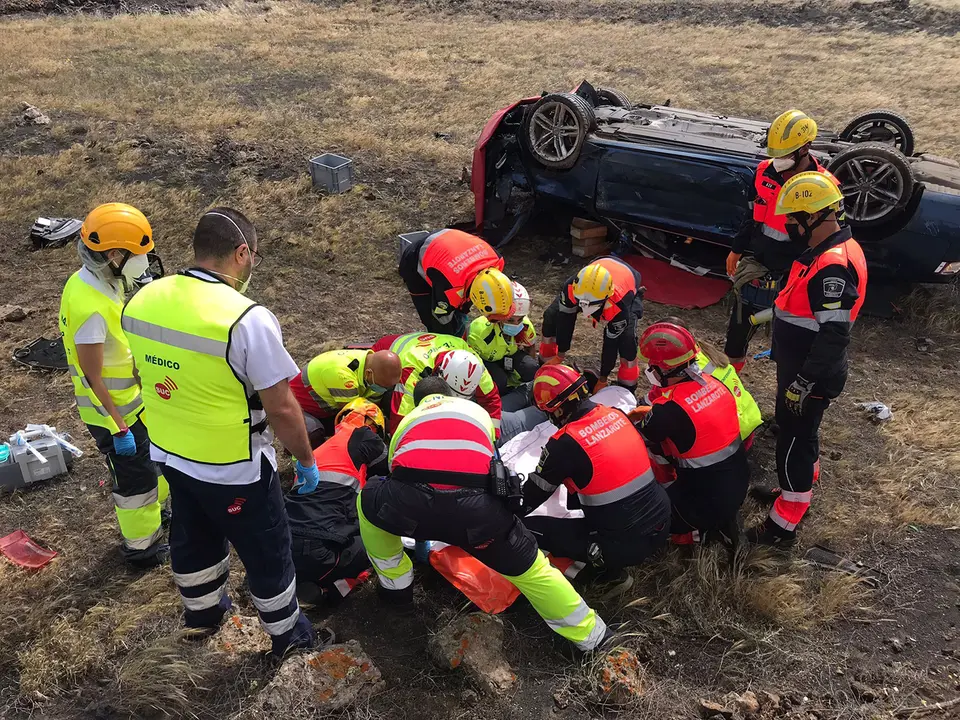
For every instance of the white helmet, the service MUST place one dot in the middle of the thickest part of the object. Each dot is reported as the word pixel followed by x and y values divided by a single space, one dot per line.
pixel 462 370
pixel 521 300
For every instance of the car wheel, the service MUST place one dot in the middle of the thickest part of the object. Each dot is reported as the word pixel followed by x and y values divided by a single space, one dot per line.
pixel 876 180
pixel 880 126
pixel 556 127
pixel 609 96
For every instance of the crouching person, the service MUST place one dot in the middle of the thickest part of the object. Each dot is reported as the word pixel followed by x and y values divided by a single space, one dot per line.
pixel 439 489
pixel 602 459
pixel 328 553
pixel 694 431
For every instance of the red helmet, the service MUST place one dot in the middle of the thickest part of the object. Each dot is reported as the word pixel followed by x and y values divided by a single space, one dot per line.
pixel 553 385
pixel 667 346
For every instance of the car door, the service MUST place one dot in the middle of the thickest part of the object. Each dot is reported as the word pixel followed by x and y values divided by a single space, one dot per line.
pixel 676 192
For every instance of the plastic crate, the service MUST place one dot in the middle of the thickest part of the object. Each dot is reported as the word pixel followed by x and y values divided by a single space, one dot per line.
pixel 332 172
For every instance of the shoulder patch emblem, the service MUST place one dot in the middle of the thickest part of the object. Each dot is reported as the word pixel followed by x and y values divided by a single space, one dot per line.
pixel 833 287
pixel 769 185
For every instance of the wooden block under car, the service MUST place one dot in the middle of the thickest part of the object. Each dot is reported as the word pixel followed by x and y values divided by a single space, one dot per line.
pixel 585 251
pixel 588 233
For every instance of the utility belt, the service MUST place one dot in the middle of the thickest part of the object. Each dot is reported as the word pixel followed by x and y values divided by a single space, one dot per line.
pixel 762 292
pixel 500 482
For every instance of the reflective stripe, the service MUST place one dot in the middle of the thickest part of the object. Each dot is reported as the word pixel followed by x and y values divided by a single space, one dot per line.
pixel 204 602
pixel 134 502
pixel 712 458
pixel 404 341
pixel 617 494
pixel 774 234
pixel 573 619
pixel 202 576
pixel 540 482
pixel 122 409
pixel 277 602
pixel 659 459
pixel 708 369
pixel 496 423
pixel 339 478
pixel 387 564
pixel 466 445
pixel 144 542
pixel 447 415
pixel 798 497
pixel 400 583
pixel 343 587
pixel 825 316
pixel 574 569
pixel 595 636
pixel 176 338
pixel 788 317
pixel 781 521
pixel 380 459
pixel 118 383
pixel 344 393
pixel 569 310
pixel 281 626
pixel 667 484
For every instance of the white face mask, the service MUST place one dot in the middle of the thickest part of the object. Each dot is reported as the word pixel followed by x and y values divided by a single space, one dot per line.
pixel 652 377
pixel 242 285
pixel 134 271
pixel 784 163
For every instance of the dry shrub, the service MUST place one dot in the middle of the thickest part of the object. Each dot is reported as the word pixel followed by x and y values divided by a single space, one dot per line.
pixel 934 309
pixel 159 679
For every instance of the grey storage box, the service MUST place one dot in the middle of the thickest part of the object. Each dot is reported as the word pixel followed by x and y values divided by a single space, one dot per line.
pixel 407 239
pixel 24 468
pixel 332 172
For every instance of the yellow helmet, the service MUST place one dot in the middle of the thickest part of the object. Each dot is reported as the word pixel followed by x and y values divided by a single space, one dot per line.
pixel 492 294
pixel 790 132
pixel 808 192
pixel 594 283
pixel 117 226
pixel 364 408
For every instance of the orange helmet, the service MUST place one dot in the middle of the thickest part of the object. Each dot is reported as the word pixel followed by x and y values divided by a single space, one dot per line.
pixel 363 410
pixel 668 347
pixel 554 385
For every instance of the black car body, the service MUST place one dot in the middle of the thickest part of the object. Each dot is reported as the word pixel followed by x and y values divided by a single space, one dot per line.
pixel 680 183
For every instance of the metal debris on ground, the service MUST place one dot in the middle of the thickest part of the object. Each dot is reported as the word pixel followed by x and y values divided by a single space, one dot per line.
pixel 878 411
pixel 925 344
pixel 827 559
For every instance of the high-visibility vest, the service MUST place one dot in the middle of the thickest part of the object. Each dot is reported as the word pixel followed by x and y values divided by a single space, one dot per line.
pixel 179 330
pixel 748 412
pixel 459 257
pixel 767 183
pixel 713 411
pixel 617 452
pixel 488 340
pixel 793 303
pixel 78 302
pixel 624 282
pixel 333 457
pixel 335 378
pixel 444 434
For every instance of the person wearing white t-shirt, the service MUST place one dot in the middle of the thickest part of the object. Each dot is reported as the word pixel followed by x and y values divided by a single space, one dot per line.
pixel 215 379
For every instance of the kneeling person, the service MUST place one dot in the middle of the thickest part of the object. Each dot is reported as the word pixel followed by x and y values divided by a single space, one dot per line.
pixel 694 427
pixel 601 458
pixel 439 489
pixel 327 550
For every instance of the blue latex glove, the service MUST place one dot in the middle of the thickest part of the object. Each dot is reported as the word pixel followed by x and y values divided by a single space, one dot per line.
pixel 307 479
pixel 125 444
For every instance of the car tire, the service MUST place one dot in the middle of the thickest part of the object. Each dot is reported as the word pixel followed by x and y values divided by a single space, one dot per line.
pixel 876 180
pixel 615 98
pixel 880 126
pixel 555 128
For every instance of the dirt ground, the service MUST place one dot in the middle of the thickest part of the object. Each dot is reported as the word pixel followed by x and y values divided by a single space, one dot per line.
pixel 175 112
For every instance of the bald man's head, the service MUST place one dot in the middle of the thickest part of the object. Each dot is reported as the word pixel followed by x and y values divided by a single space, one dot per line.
pixel 382 368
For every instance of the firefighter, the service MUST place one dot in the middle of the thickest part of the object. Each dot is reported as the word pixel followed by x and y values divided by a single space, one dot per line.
pixel 113 246
pixel 757 279
pixel 712 361
pixel 507 347
pixel 694 432
pixel 813 316
pixel 215 378
pixel 327 551
pixel 331 380
pixel 439 488
pixel 601 458
pixel 608 291
pixel 447 273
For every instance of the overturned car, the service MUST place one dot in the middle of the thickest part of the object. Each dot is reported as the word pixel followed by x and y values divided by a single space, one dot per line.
pixel 679 183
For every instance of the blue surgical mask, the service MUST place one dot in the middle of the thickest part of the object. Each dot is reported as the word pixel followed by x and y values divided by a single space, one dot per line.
pixel 512 330
pixel 377 389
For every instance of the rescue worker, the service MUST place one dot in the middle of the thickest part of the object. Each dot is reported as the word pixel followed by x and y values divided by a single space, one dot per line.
pixel 215 380
pixel 608 291
pixel 439 488
pixel 600 457
pixel 813 317
pixel 507 347
pixel 327 550
pixel 712 361
pixel 757 279
pixel 114 241
pixel 331 380
pixel 423 354
pixel 448 272
pixel 694 432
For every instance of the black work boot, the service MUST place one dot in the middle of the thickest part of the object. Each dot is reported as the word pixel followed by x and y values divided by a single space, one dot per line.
pixel 609 585
pixel 772 535
pixel 764 495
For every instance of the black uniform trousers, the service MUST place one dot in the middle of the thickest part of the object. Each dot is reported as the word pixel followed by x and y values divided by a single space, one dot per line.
pixel 798 442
